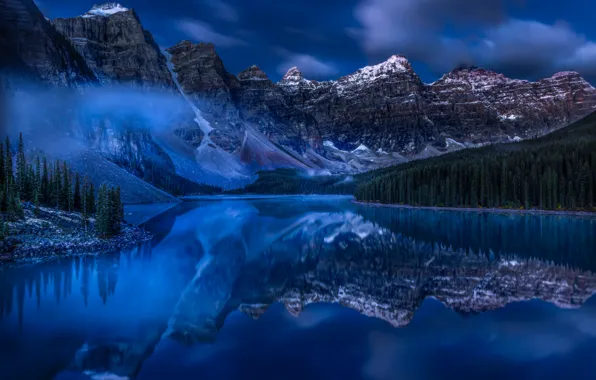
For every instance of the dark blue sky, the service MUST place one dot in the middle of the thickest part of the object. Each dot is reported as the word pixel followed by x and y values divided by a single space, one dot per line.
pixel 526 39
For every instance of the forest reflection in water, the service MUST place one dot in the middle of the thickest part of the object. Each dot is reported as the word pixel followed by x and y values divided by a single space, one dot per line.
pixel 212 258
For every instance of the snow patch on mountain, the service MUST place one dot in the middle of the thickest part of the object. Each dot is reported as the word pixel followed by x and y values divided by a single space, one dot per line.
pixel 211 164
pixel 453 143
pixel 394 65
pixel 294 80
pixel 105 10
pixel 510 117
pixel 361 149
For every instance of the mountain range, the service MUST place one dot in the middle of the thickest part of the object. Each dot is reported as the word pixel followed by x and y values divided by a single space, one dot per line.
pixel 176 118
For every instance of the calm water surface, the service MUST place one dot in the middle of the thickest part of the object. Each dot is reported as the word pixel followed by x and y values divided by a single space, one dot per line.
pixel 312 288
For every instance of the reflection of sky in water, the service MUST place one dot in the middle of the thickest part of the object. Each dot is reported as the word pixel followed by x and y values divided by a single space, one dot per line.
pixel 531 340
pixel 207 256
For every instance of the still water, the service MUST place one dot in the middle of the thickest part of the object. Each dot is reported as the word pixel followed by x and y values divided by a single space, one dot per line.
pixel 312 288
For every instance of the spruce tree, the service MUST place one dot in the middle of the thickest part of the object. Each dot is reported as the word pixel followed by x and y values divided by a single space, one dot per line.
pixel 84 203
pixel 102 215
pixel 91 199
pixel 36 202
pixel 2 179
pixel 45 183
pixel 21 166
pixel 77 203
pixel 57 185
pixel 65 189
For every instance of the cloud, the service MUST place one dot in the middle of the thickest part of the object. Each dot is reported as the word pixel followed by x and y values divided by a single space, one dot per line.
pixel 518 48
pixel 525 48
pixel 223 11
pixel 308 64
pixel 204 32
pixel 414 27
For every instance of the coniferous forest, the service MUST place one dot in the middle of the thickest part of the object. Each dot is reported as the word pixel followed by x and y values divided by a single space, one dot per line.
pixel 557 171
pixel 40 183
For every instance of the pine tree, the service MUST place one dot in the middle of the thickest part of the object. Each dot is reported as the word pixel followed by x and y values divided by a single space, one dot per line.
pixel 84 203
pixel 2 171
pixel 91 199
pixel 21 166
pixel 57 185
pixel 102 215
pixel 45 183
pixel 3 229
pixel 36 202
pixel 77 204
pixel 64 202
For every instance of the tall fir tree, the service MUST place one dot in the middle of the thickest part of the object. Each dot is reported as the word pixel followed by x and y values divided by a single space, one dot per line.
pixel 91 207
pixel 77 202
pixel 21 166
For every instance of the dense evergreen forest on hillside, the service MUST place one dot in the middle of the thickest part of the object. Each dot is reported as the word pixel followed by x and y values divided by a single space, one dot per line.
pixel 557 171
pixel 40 183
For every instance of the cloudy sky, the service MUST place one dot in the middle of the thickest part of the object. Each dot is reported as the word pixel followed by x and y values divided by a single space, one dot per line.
pixel 526 39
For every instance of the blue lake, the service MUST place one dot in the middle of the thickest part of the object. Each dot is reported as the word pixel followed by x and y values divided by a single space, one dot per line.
pixel 312 288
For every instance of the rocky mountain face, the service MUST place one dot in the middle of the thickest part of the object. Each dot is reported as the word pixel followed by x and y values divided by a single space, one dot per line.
pixel 32 48
pixel 122 54
pixel 117 48
pixel 387 107
pixel 382 114
pixel 42 69
pixel 220 128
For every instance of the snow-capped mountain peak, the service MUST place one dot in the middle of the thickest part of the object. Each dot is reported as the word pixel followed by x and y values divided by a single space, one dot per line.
pixel 396 64
pixel 294 79
pixel 105 10
pixel 253 73
pixel 293 75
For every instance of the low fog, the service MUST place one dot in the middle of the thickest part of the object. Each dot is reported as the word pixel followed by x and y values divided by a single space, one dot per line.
pixel 49 116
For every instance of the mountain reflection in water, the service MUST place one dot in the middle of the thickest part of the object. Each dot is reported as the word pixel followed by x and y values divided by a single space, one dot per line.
pixel 210 259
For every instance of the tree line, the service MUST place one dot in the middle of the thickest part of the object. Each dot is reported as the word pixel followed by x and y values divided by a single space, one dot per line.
pixel 555 172
pixel 53 185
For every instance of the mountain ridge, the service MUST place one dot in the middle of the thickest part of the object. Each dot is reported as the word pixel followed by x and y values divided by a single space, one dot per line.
pixel 377 116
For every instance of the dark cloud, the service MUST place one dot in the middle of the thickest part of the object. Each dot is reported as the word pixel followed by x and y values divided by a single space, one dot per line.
pixel 530 49
pixel 416 28
pixel 201 31
pixel 310 66
pixel 520 38
pixel 445 33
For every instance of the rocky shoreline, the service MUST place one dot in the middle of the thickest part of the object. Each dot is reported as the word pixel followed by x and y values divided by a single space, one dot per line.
pixel 484 210
pixel 51 234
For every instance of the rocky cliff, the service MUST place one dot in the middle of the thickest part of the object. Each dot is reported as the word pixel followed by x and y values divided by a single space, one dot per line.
pixel 226 127
pixel 379 115
pixel 31 48
pixel 41 70
pixel 116 47
pixel 386 107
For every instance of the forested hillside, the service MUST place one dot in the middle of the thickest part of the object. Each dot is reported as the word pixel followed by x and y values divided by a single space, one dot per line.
pixel 557 171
